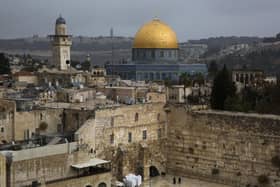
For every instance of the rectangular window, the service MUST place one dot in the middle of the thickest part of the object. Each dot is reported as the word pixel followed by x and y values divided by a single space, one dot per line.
pixel 26 134
pixel 159 133
pixel 2 129
pixel 112 138
pixel 129 137
pixel 144 134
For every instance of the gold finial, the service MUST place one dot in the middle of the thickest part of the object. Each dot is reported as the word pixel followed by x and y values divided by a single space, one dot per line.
pixel 156 18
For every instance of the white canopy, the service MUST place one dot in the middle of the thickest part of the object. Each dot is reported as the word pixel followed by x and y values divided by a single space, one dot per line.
pixel 90 163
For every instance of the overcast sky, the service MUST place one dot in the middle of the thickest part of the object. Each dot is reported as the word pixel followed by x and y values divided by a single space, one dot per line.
pixel 191 19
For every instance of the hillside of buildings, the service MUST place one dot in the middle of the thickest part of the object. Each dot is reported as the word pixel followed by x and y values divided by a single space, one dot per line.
pixel 215 44
pixel 265 58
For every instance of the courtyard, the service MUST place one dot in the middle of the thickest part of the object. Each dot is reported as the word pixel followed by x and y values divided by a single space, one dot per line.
pixel 167 181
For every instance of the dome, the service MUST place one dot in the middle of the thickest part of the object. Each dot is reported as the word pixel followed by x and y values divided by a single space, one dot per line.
pixel 60 20
pixel 155 35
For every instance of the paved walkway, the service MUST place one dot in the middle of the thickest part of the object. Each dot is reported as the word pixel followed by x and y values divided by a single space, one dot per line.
pixel 167 181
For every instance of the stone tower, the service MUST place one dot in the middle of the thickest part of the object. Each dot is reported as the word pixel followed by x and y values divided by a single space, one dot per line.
pixel 61 44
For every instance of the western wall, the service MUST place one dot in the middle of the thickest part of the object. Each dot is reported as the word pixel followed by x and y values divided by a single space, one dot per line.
pixel 224 147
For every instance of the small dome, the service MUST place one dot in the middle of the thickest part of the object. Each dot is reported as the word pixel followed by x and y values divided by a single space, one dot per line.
pixel 155 35
pixel 60 20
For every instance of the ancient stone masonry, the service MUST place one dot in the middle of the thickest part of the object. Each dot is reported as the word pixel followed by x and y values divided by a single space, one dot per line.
pixel 132 137
pixel 224 147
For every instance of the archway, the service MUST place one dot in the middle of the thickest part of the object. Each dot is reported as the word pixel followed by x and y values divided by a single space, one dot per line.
pixel 154 171
pixel 102 184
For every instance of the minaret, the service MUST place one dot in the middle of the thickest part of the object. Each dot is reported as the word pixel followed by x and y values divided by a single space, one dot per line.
pixel 61 43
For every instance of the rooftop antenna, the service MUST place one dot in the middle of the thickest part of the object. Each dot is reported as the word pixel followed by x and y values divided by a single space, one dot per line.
pixel 112 52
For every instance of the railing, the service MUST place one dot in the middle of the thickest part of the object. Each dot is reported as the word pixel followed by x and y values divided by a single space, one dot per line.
pixel 96 171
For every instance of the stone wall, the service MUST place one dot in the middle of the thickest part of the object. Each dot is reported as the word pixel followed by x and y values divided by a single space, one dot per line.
pixel 224 147
pixel 107 135
pixel 2 170
pixel 19 125
pixel 156 97
pixel 43 164
pixel 28 123
pixel 92 181
pixel 75 118
pixel 7 112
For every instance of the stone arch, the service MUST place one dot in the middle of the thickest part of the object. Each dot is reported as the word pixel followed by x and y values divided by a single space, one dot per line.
pixel 102 184
pixel 154 172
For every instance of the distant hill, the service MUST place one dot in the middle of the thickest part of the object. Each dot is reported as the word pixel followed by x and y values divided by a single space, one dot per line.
pixel 82 43
pixel 218 43
pixel 79 43
pixel 266 58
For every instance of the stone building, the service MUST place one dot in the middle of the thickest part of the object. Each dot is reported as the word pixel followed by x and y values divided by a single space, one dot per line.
pixel 130 136
pixel 62 165
pixel 71 78
pixel 25 77
pixel 133 94
pixel 75 95
pixel 18 125
pixel 96 78
pixel 247 77
pixel 178 93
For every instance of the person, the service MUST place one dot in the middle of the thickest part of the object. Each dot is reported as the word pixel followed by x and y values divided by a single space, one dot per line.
pixel 179 180
pixel 174 180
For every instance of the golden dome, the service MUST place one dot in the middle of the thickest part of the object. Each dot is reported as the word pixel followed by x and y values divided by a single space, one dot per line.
pixel 155 35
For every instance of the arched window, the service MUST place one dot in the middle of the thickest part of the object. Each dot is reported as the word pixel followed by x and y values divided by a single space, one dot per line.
pixel 136 117
pixel 102 184
pixel 158 116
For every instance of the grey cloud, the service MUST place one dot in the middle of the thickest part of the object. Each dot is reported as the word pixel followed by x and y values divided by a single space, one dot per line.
pixel 189 18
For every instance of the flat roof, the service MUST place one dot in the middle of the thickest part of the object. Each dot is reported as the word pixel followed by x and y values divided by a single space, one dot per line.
pixel 90 163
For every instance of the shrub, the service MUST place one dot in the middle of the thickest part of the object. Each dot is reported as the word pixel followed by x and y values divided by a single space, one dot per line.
pixel 43 126
pixel 263 179
pixel 275 161
pixel 215 171
pixel 191 150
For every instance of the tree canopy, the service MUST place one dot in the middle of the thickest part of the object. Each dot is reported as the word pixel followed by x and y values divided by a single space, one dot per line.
pixel 185 80
pixel 223 88
pixel 4 64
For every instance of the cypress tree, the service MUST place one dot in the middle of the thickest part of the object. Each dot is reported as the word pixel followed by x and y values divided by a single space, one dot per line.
pixel 223 88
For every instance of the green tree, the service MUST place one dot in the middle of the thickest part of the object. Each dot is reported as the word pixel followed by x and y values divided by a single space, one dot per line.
pixel 250 97
pixel 198 78
pixel 167 82
pixel 223 88
pixel 270 100
pixel 185 80
pixel 213 68
pixel 4 64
